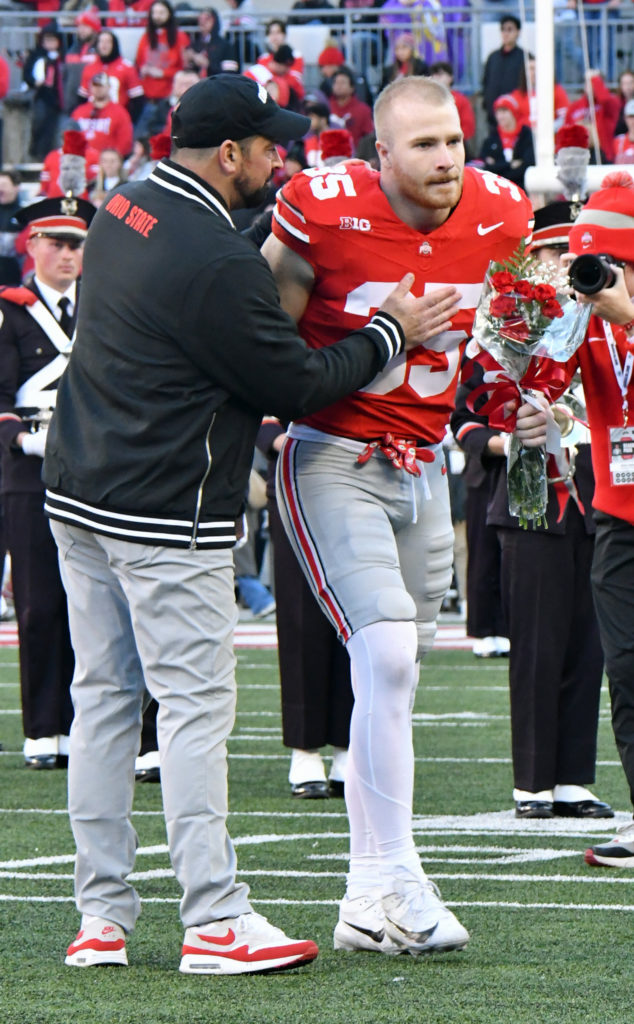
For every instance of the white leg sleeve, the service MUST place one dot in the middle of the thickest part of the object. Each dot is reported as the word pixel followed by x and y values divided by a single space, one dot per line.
pixel 380 781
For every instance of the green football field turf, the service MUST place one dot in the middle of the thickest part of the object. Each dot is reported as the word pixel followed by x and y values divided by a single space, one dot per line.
pixel 551 939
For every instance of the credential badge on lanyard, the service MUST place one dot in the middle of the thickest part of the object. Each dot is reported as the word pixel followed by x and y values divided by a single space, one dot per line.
pixel 621 439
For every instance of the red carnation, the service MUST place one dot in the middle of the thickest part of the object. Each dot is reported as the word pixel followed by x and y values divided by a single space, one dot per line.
pixel 552 309
pixel 503 281
pixel 572 135
pixel 503 305
pixel 544 292
pixel 515 330
pixel 524 289
pixel 74 143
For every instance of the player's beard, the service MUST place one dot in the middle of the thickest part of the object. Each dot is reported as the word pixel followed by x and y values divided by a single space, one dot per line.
pixel 441 194
pixel 250 197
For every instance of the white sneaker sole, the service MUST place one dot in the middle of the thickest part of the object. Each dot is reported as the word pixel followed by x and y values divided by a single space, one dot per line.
pixel 97 958
pixel 204 963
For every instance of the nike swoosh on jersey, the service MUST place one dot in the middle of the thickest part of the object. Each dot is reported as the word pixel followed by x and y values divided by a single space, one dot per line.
pixel 485 231
pixel 218 940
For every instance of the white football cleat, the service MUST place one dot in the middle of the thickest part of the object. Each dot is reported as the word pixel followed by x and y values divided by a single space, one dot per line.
pixel 361 925
pixel 417 920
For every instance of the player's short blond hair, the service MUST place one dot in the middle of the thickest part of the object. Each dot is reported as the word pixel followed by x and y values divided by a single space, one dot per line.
pixel 428 90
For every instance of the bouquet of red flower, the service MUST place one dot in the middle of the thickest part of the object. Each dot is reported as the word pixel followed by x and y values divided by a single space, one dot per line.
pixel 526 322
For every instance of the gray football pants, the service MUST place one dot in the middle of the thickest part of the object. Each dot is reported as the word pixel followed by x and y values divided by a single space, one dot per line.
pixel 375 543
pixel 162 618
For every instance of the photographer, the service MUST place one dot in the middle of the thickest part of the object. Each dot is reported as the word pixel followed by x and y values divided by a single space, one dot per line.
pixel 605 227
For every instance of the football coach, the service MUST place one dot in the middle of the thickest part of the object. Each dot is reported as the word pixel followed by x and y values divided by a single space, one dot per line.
pixel 181 345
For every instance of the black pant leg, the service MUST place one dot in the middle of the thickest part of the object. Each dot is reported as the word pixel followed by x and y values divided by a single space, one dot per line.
pixel 314 666
pixel 484 605
pixel 46 655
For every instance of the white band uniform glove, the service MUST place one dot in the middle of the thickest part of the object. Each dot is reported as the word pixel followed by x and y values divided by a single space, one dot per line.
pixel 34 444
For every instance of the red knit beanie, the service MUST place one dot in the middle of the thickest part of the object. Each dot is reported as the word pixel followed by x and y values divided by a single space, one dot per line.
pixel 331 55
pixel 606 222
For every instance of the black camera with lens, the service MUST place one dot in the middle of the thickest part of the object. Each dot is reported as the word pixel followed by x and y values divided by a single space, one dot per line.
pixel 590 274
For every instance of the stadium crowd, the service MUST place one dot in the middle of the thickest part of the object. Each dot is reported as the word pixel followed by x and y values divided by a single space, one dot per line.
pixel 99 121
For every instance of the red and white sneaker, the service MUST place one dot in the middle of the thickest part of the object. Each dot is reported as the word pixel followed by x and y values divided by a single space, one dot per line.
pixel 242 945
pixel 98 942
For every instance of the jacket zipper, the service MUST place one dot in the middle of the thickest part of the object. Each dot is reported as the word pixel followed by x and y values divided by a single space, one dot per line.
pixel 199 497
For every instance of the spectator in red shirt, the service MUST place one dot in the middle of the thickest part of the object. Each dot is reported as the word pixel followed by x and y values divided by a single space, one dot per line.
pixel 527 98
pixel 346 111
pixel 290 86
pixel 106 124
pixel 81 53
pixel 125 84
pixel 607 108
pixel 276 37
pixel 159 56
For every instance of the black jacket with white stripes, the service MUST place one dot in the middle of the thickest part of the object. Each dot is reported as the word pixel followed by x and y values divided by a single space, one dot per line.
pixel 181 346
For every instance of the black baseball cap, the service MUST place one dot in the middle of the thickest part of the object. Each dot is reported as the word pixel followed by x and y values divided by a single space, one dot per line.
pixel 232 107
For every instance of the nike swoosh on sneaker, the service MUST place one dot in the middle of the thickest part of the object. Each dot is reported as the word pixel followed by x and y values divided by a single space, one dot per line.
pixel 376 936
pixel 411 935
pixel 218 940
pixel 491 227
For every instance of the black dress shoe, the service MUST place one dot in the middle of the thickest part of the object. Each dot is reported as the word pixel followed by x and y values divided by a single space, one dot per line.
pixel 39 761
pixel 336 787
pixel 533 809
pixel 147 775
pixel 582 809
pixel 311 790
pixel 62 760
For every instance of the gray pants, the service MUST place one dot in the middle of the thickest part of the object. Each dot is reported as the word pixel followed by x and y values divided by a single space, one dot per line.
pixel 161 618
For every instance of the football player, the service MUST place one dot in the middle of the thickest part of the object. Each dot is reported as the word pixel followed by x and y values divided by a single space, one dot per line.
pixel 362 484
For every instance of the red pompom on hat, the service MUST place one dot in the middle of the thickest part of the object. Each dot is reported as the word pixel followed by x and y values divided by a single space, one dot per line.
pixel 74 143
pixel 160 146
pixel 331 55
pixel 90 19
pixel 574 135
pixel 336 142
pixel 606 222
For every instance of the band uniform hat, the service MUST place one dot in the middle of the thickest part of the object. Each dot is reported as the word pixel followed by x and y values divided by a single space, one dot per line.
pixel 553 223
pixel 232 107
pixel 606 222
pixel 61 217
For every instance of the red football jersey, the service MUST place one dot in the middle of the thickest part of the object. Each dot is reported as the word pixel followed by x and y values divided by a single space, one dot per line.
pixel 340 221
